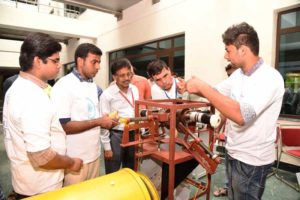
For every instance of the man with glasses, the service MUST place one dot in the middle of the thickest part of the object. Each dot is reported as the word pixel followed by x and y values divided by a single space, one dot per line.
pixel 34 140
pixel 75 97
pixel 118 97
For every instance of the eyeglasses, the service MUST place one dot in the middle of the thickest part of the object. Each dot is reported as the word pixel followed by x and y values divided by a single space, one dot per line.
pixel 55 61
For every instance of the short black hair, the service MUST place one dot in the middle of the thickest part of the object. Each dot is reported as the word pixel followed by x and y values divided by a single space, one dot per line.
pixel 118 64
pixel 84 49
pixel 155 67
pixel 242 34
pixel 37 44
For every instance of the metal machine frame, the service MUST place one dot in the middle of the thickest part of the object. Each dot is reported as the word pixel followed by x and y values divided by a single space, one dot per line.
pixel 172 114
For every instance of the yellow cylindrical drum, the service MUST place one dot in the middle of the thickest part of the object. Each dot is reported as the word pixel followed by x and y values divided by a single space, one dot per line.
pixel 124 184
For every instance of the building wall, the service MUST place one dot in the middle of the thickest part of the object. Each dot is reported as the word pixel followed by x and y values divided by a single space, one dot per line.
pixel 27 17
pixel 9 53
pixel 202 22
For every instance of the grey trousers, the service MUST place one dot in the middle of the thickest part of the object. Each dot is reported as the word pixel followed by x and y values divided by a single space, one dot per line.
pixel 124 156
pixel 2 196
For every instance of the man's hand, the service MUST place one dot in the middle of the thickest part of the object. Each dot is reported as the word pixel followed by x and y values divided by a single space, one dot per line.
pixel 181 85
pixel 76 165
pixel 108 155
pixel 194 85
pixel 108 122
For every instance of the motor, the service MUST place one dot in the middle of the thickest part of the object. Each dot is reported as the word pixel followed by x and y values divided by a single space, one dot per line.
pixel 189 116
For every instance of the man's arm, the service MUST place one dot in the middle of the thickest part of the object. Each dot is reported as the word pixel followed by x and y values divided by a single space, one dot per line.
pixel 227 106
pixel 104 134
pixel 147 89
pixel 62 97
pixel 50 160
pixel 74 127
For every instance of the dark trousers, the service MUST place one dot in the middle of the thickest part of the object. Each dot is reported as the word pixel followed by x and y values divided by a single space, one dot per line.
pixel 124 156
pixel 2 196
pixel 15 196
pixel 246 181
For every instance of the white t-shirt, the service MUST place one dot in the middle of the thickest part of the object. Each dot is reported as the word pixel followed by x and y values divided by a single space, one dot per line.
pixel 30 125
pixel 78 101
pixel 158 93
pixel 263 90
pixel 112 100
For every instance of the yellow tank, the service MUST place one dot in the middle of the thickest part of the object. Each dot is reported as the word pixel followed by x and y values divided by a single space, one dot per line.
pixel 122 185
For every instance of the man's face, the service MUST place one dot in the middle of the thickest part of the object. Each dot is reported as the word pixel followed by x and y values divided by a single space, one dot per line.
pixel 89 66
pixel 123 77
pixel 51 67
pixel 233 55
pixel 164 79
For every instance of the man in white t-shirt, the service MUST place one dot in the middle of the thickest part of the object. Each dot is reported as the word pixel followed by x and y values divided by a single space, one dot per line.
pixel 164 87
pixel 34 139
pixel 119 97
pixel 75 97
pixel 251 100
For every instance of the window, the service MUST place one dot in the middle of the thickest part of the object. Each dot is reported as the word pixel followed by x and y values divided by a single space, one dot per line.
pixel 170 50
pixel 73 11
pixel 288 60
pixel 68 67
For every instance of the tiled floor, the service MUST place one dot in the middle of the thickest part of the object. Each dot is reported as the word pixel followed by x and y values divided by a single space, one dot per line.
pixel 275 189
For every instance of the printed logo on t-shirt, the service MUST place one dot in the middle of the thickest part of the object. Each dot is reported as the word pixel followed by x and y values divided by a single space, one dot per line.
pixel 91 109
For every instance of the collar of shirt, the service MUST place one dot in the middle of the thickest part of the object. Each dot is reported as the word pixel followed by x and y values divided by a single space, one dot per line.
pixel 45 86
pixel 255 67
pixel 116 89
pixel 119 104
pixel 172 93
pixel 77 74
pixel 34 79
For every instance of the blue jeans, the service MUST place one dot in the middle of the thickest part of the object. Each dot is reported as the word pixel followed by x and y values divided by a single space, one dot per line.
pixel 246 182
